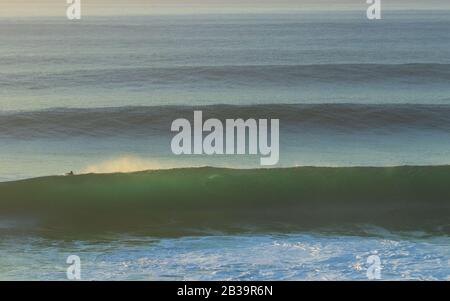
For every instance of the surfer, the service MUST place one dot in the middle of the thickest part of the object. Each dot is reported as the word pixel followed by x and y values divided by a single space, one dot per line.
pixel 70 173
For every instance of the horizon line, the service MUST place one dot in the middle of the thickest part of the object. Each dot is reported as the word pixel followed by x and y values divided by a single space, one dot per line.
pixel 277 12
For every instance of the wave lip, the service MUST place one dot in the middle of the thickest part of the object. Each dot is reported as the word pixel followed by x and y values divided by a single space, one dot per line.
pixel 398 198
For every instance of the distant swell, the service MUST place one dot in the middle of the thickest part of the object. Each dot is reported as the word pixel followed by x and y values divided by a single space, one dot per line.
pixel 144 121
pixel 235 76
pixel 412 198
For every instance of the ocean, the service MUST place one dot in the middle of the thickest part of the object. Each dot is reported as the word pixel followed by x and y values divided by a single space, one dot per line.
pixel 364 110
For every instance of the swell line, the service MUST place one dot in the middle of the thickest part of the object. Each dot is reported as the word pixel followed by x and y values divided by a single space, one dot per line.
pixel 242 75
pixel 156 120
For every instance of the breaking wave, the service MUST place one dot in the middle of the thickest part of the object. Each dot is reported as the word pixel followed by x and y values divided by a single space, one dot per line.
pixel 180 200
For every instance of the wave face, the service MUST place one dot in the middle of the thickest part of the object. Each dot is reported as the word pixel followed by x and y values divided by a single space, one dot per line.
pixel 144 121
pixel 180 200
